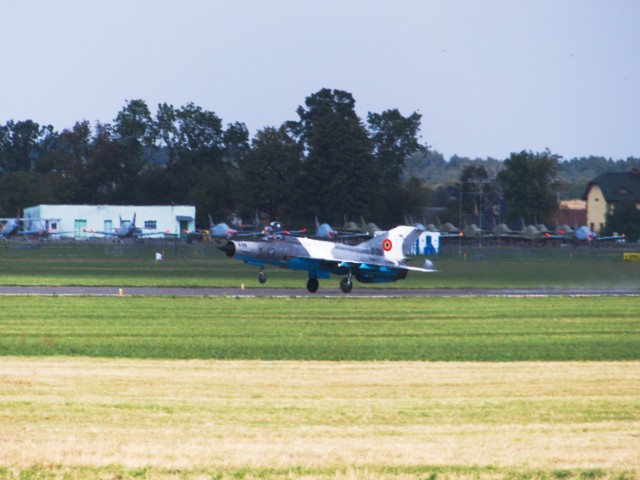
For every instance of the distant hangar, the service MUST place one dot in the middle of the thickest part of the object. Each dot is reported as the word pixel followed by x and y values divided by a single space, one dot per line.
pixel 78 221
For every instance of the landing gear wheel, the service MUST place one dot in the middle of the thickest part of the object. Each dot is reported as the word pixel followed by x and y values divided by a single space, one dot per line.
pixel 346 285
pixel 262 277
pixel 312 285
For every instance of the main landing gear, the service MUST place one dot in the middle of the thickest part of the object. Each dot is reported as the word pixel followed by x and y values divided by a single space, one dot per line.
pixel 312 285
pixel 346 284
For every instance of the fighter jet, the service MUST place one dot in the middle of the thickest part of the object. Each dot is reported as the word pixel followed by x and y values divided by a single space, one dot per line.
pixel 127 229
pixel 584 235
pixel 41 229
pixel 11 227
pixel 325 231
pixel 378 260
pixel 222 231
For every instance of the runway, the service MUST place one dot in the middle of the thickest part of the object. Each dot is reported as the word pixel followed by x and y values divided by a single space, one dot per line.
pixel 328 292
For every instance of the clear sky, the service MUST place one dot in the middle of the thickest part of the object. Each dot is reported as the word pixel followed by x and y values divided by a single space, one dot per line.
pixel 489 77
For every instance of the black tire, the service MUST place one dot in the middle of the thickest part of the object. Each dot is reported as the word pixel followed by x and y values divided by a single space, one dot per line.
pixel 262 277
pixel 346 285
pixel 312 285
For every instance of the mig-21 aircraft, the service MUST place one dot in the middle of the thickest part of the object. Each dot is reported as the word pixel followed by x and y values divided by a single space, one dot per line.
pixel 127 229
pixel 325 231
pixel 378 260
pixel 39 228
pixel 11 227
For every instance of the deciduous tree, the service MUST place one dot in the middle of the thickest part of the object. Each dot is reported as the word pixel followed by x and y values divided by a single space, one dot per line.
pixel 529 184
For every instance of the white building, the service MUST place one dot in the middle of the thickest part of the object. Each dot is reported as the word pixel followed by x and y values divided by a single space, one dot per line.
pixel 78 221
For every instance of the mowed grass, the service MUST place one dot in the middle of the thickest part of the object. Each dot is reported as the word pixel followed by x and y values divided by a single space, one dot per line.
pixel 130 264
pixel 81 418
pixel 336 329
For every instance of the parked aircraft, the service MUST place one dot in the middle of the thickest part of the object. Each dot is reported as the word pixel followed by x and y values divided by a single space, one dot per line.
pixel 40 228
pixel 28 227
pixel 223 231
pixel 327 232
pixel 584 234
pixel 11 227
pixel 380 259
pixel 127 229
pixel 370 229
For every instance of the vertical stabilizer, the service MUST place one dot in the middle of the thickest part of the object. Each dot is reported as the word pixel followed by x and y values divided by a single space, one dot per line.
pixel 395 243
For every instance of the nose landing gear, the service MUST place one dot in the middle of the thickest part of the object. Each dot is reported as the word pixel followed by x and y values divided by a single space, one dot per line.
pixel 262 277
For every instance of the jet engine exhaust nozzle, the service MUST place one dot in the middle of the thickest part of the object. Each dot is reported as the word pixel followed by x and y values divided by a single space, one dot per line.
pixel 229 248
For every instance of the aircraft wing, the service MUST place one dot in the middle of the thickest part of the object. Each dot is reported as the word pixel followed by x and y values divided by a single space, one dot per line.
pixel 611 238
pixel 100 232
pixel 383 266
pixel 146 234
pixel 41 232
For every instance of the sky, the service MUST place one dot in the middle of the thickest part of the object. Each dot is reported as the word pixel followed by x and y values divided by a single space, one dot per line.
pixel 489 77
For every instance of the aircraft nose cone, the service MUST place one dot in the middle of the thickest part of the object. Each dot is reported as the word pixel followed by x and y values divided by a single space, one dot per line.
pixel 229 248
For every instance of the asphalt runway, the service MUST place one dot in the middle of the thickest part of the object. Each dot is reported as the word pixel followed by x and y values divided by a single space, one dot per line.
pixel 323 292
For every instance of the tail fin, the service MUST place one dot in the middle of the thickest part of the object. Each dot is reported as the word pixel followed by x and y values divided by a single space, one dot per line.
pixel 394 244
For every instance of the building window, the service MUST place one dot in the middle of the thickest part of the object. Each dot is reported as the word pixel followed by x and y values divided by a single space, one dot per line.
pixel 150 224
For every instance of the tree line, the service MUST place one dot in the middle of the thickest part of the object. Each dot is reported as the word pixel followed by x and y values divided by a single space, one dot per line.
pixel 328 162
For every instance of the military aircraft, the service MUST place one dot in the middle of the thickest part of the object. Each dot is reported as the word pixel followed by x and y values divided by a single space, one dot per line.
pixel 40 228
pixel 378 260
pixel 327 232
pixel 11 227
pixel 584 234
pixel 127 229
pixel 370 228
pixel 28 227
pixel 223 231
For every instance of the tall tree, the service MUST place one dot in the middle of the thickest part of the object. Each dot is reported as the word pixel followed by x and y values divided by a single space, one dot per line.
pixel 271 174
pixel 20 144
pixel 236 144
pixel 340 174
pixel 529 184
pixel 22 189
pixel 395 138
pixel 104 167
pixel 135 133
pixel 198 170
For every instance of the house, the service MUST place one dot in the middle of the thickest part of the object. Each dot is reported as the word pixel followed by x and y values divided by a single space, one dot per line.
pixel 604 192
pixel 81 221
pixel 571 212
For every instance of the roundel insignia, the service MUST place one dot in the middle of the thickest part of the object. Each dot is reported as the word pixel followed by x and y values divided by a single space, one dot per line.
pixel 386 245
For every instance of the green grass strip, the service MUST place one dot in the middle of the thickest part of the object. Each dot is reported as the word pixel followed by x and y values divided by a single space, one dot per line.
pixel 434 329
pixel 421 472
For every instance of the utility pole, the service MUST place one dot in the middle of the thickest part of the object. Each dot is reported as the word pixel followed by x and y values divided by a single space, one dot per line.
pixel 479 182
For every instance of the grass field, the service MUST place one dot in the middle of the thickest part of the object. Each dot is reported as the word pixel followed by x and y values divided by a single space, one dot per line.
pixel 102 418
pixel 448 329
pixel 317 388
